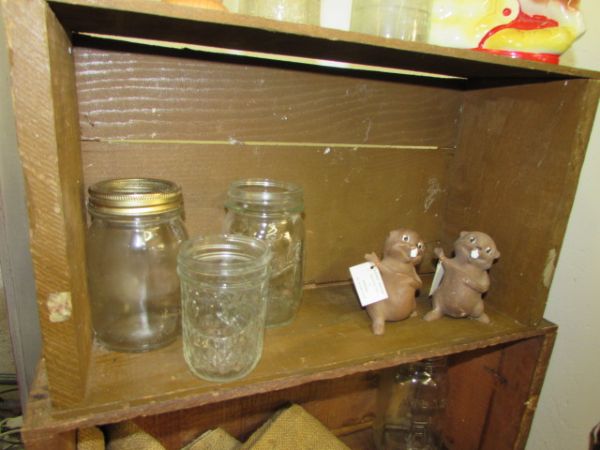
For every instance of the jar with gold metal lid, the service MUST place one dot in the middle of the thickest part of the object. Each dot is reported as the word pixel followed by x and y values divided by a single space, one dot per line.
pixel 133 238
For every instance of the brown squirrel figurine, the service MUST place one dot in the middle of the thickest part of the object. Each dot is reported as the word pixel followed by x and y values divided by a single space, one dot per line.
pixel 403 250
pixel 465 277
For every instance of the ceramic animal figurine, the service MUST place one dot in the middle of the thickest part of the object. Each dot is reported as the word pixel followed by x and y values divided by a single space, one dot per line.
pixel 465 278
pixel 539 30
pixel 403 250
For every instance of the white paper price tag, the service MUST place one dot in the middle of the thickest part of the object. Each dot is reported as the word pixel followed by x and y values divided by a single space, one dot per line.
pixel 437 278
pixel 368 283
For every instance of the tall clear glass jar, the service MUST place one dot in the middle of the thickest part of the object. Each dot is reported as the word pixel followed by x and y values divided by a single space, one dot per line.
pixel 272 211
pixel 414 402
pixel 133 238
pixel 224 286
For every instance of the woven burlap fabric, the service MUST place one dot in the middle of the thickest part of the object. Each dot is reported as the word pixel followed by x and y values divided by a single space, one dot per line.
pixel 217 439
pixel 128 436
pixel 293 428
pixel 90 439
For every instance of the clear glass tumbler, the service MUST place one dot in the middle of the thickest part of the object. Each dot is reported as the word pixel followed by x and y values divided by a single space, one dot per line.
pixel 224 287
pixel 397 19
pixel 272 211
pixel 132 243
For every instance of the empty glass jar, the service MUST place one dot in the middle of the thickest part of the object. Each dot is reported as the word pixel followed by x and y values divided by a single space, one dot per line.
pixel 272 211
pixel 398 19
pixel 224 286
pixel 299 11
pixel 132 242
pixel 414 405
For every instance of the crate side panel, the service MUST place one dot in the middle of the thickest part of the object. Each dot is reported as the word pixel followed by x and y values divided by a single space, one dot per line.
pixel 514 177
pixel 48 137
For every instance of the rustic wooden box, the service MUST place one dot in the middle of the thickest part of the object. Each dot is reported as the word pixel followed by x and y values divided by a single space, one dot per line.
pixel 105 88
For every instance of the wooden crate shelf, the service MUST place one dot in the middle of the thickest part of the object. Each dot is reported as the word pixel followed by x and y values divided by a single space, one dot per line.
pixel 414 135
pixel 329 339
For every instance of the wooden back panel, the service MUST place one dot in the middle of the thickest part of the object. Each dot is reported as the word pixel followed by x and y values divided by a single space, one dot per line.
pixel 370 151
pixel 514 177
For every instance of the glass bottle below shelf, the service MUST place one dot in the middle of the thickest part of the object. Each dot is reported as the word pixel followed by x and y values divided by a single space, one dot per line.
pixel 414 400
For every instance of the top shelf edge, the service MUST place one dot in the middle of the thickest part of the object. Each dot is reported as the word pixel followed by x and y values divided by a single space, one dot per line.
pixel 151 19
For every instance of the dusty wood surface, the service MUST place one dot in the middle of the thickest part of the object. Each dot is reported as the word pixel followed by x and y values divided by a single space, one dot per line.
pixel 48 136
pixel 330 338
pixel 515 175
pixel 151 19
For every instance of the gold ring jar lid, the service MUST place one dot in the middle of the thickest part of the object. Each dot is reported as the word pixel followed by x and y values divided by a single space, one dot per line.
pixel 134 197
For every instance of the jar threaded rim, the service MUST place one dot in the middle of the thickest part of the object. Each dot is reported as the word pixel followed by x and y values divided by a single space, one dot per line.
pixel 265 194
pixel 227 255
pixel 134 197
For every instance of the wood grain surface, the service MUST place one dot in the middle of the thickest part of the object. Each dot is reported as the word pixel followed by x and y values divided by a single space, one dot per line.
pixel 153 93
pixel 48 135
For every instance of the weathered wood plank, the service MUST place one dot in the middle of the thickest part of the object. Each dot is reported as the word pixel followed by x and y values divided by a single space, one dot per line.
pixel 141 92
pixel 48 135
pixel 514 177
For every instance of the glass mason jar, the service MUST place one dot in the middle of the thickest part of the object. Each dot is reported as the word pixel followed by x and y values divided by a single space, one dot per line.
pixel 397 19
pixel 272 211
pixel 224 288
pixel 414 404
pixel 132 243
pixel 299 11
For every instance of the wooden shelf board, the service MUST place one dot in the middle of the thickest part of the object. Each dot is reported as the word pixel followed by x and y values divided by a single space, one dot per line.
pixel 330 338
pixel 156 20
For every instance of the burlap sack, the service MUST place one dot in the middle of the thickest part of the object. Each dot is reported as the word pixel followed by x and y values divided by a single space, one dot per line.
pixel 90 439
pixel 128 436
pixel 217 439
pixel 293 428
